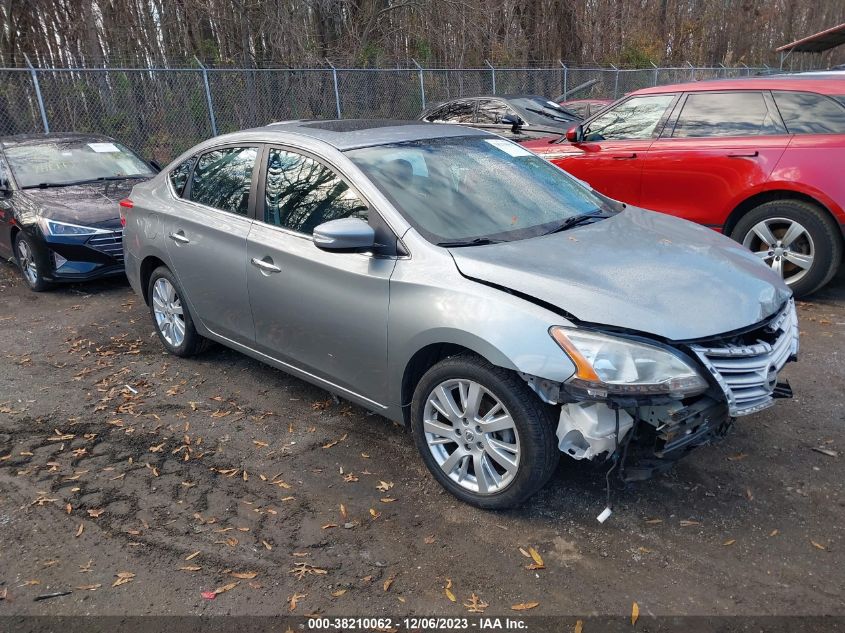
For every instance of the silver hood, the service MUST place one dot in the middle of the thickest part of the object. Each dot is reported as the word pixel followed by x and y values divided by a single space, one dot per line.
pixel 639 270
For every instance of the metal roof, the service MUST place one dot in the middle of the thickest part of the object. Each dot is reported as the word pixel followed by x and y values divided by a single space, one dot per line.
pixel 817 43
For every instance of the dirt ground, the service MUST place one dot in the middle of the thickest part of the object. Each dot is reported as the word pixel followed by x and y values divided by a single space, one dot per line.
pixel 139 480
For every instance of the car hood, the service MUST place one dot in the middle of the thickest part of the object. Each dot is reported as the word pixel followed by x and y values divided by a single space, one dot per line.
pixel 90 204
pixel 637 270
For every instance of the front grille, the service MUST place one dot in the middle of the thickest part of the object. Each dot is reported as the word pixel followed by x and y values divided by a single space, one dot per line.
pixel 747 373
pixel 108 243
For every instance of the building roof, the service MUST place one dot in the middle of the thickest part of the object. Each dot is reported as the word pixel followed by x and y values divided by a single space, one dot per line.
pixel 817 43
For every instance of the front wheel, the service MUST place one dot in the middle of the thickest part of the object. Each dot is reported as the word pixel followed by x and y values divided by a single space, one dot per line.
pixel 798 240
pixel 31 261
pixel 483 434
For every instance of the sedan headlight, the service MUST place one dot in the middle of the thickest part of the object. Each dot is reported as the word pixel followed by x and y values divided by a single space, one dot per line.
pixel 610 365
pixel 52 227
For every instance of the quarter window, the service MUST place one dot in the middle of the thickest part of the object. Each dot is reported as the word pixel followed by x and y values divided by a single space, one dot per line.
pixel 303 193
pixel 810 113
pixel 179 175
pixel 223 177
pixel 707 114
pixel 454 112
pixel 636 118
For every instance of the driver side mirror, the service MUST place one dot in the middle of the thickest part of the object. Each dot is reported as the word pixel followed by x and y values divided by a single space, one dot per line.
pixel 345 234
pixel 514 121
pixel 5 187
pixel 575 134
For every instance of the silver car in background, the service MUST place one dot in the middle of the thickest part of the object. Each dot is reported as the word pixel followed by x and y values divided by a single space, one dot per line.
pixel 451 280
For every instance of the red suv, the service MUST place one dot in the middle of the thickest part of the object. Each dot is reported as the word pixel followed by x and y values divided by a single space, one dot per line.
pixel 760 159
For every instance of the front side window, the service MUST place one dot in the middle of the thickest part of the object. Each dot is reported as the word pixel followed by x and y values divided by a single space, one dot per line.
pixel 707 114
pixel 491 111
pixel 302 193
pixel 474 187
pixel 454 112
pixel 636 118
pixel 810 113
pixel 179 175
pixel 73 161
pixel 223 177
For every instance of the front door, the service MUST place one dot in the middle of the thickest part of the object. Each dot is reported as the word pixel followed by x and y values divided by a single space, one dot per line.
pixel 323 312
pixel 721 147
pixel 206 240
pixel 614 148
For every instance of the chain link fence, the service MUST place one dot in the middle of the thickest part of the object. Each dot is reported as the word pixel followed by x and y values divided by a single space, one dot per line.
pixel 162 112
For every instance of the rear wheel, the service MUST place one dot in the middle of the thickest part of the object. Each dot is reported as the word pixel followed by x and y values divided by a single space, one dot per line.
pixel 171 317
pixel 797 239
pixel 31 260
pixel 483 434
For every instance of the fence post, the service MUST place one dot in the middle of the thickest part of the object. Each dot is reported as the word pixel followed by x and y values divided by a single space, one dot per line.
pixel 724 70
pixel 655 73
pixel 747 69
pixel 565 79
pixel 336 91
pixel 422 82
pixel 493 73
pixel 615 82
pixel 208 101
pixel 41 108
pixel 691 71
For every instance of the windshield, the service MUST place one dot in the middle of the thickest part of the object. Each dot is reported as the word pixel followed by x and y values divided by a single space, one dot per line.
pixel 545 111
pixel 468 188
pixel 66 162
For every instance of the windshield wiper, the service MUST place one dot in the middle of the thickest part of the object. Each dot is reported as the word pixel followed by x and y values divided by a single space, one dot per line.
pixel 44 185
pixel 575 220
pixel 478 241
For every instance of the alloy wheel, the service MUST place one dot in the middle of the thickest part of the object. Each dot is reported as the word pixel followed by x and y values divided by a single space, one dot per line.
pixel 785 245
pixel 27 261
pixel 472 436
pixel 169 316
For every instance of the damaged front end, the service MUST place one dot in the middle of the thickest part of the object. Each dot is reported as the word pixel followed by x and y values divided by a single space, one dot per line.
pixel 645 404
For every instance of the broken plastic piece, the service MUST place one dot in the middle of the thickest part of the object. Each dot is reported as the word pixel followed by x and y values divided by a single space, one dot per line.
pixel 588 429
pixel 605 515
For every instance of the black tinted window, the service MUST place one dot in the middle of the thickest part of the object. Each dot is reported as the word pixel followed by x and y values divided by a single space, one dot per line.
pixel 810 113
pixel 491 112
pixel 454 112
pixel 303 193
pixel 635 118
pixel 725 114
pixel 179 175
pixel 222 179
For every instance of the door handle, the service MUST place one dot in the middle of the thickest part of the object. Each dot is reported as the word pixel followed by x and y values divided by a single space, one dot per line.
pixel 265 267
pixel 626 156
pixel 753 154
pixel 179 237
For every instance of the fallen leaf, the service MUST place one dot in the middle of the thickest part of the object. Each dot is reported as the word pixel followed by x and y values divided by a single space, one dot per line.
pixel 95 513
pixel 819 546
pixel 244 575
pixel 123 577
pixel 653 521
pixel 387 499
pixel 343 511
pixel 338 593
pixel 267 545
pixel 384 486
pixel 729 542
pixel 80 529
pixel 450 595
pixel 428 540
pixel 226 588
pixel 388 582
pixel 475 604
pixel 328 526
pixel 737 457
pixel 294 599
pixel 635 613
pixel 579 627
pixel 192 556
pixel 374 513
pixel 826 451
pixel 686 523
pixel 773 533
pixel 190 568
pixel 523 606
pixel 89 587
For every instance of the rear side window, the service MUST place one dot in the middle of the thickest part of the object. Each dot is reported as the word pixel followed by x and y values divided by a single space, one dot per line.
pixel 179 175
pixel 303 193
pixel 810 113
pixel 222 179
pixel 491 112
pixel 635 118
pixel 707 114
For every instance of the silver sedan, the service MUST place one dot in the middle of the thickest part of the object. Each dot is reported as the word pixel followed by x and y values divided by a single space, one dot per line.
pixel 449 279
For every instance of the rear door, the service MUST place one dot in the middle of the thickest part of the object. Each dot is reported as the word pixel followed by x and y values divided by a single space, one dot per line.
pixel 712 154
pixel 615 143
pixel 323 312
pixel 207 239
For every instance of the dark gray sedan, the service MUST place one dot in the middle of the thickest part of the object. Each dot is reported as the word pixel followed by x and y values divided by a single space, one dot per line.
pixel 451 280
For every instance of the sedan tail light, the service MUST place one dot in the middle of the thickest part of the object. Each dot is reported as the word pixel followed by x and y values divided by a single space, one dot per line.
pixel 126 203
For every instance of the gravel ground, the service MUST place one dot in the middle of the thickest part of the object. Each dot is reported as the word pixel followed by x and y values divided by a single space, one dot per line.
pixel 139 480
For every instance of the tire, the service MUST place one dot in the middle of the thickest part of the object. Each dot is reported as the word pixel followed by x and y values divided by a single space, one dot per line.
pixel 171 318
pixel 532 433
pixel 819 238
pixel 32 261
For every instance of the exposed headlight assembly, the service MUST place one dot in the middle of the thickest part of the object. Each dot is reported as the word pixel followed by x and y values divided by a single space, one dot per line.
pixel 52 227
pixel 607 365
